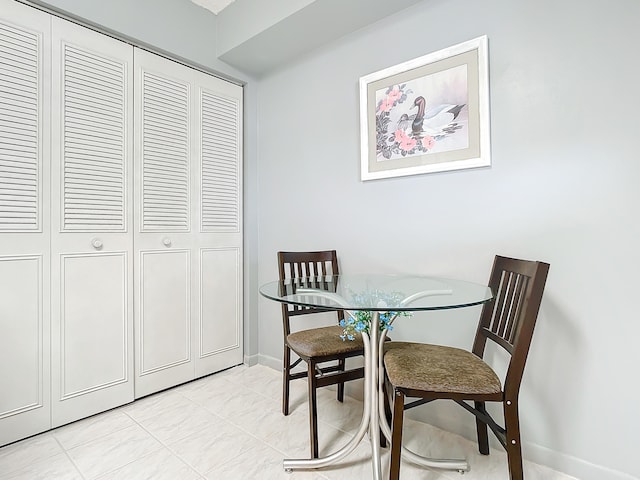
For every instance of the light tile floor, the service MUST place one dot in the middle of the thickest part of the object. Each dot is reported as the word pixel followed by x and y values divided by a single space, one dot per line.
pixel 229 426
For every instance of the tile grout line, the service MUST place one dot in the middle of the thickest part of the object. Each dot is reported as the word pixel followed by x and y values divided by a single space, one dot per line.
pixel 86 419
pixel 173 453
pixel 11 473
pixel 66 454
pixel 239 384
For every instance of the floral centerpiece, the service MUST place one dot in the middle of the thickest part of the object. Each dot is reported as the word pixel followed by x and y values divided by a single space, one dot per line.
pixel 360 320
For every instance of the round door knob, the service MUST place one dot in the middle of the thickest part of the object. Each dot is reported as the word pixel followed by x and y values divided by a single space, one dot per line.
pixel 166 242
pixel 96 243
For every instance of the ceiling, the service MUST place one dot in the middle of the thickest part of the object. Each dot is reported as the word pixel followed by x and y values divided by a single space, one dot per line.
pixel 259 36
pixel 214 6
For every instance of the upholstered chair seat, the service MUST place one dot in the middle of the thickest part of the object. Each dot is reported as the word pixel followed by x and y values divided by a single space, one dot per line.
pixel 438 368
pixel 323 342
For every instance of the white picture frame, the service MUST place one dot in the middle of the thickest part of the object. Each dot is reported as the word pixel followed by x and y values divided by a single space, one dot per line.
pixel 427 115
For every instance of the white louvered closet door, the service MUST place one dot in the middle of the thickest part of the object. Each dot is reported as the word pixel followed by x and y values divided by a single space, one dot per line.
pixel 163 224
pixel 24 222
pixel 218 339
pixel 188 263
pixel 92 262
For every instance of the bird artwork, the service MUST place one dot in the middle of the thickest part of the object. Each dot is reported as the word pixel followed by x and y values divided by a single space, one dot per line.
pixel 413 133
pixel 435 120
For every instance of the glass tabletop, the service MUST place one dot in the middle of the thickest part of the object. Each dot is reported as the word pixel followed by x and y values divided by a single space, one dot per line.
pixel 377 292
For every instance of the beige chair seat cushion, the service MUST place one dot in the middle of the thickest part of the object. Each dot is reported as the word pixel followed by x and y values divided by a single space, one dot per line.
pixel 436 368
pixel 322 342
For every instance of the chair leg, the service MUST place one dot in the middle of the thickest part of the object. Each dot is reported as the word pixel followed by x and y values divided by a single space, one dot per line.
pixel 286 373
pixel 396 435
pixel 313 410
pixel 513 447
pixel 340 395
pixel 387 414
pixel 481 428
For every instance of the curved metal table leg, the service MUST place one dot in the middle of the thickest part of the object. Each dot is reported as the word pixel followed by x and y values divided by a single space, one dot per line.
pixel 369 420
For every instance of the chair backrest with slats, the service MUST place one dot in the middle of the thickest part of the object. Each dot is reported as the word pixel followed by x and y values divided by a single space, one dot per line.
pixel 509 319
pixel 308 265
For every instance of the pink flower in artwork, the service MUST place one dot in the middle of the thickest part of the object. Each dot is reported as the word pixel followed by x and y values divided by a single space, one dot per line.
pixel 394 94
pixel 400 135
pixel 404 141
pixel 428 142
pixel 407 143
pixel 385 105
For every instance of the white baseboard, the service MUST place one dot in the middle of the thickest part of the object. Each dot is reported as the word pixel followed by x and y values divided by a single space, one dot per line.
pixel 270 362
pixel 251 360
pixel 573 466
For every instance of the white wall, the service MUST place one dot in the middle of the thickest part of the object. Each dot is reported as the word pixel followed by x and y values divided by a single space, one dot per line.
pixel 563 188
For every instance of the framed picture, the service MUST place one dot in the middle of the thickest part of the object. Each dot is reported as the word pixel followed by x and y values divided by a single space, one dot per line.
pixel 427 115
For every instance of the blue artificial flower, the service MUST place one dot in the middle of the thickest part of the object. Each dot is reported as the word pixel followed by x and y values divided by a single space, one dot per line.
pixel 360 321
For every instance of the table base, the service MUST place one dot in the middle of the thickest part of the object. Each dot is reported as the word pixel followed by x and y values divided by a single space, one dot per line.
pixel 373 419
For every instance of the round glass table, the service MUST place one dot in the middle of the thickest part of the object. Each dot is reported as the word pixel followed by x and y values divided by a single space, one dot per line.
pixel 385 297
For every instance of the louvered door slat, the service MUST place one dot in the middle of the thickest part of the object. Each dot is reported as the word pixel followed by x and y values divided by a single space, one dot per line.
pixel 103 135
pixel 220 182
pixel 19 60
pixel 165 157
pixel 106 78
pixel 84 162
pixel 82 103
pixel 161 107
pixel 94 115
pixel 11 110
pixel 15 85
pixel 166 171
pixel 172 168
pixel 12 34
pixel 101 92
pixel 19 129
pixel 87 108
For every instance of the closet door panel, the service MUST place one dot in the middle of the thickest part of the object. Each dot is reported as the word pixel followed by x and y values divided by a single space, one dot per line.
pixel 20 284
pixel 220 157
pixel 164 329
pixel 92 300
pixel 24 350
pixel 219 150
pixel 93 330
pixel 20 128
pixel 166 157
pixel 163 224
pixel 220 332
pixel 24 222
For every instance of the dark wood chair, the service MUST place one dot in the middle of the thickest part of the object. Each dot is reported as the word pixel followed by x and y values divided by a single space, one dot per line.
pixel 321 348
pixel 430 372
